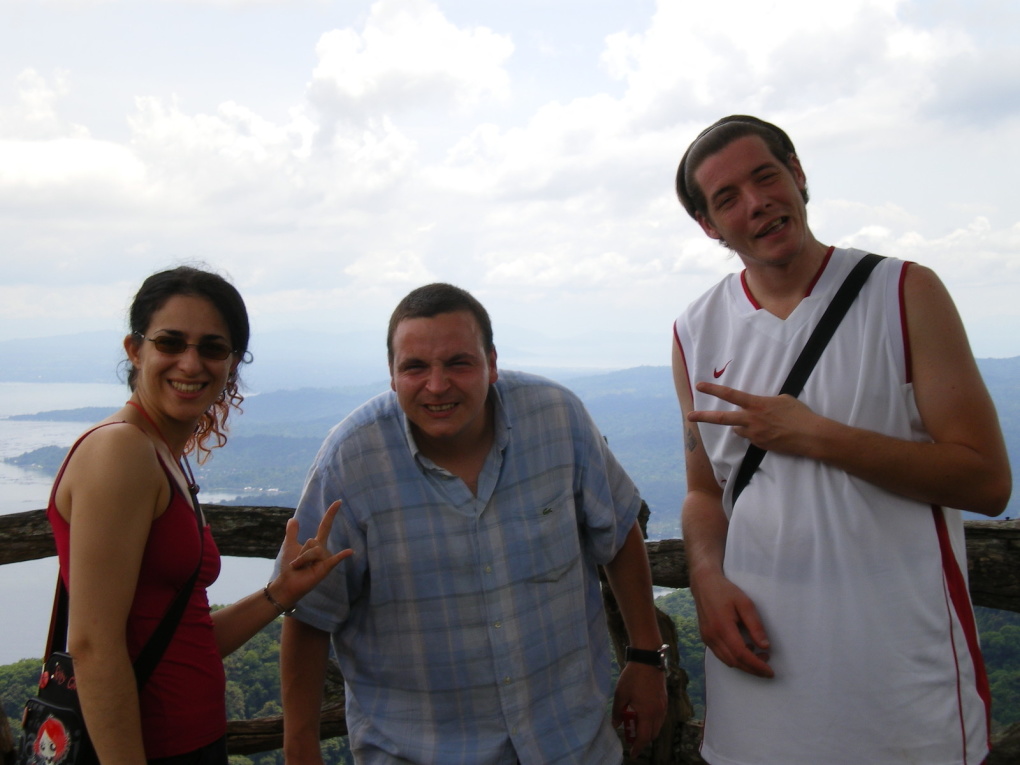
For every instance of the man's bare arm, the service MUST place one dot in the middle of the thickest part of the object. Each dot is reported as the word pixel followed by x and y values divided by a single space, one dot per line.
pixel 304 651
pixel 640 686
pixel 724 611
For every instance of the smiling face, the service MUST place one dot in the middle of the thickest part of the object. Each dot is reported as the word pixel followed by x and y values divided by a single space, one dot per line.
pixel 755 203
pixel 179 388
pixel 441 373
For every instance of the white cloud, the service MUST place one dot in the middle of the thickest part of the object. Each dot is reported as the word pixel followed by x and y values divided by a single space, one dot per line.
pixel 408 56
pixel 406 153
pixel 34 114
pixel 406 270
pixel 68 306
pixel 81 166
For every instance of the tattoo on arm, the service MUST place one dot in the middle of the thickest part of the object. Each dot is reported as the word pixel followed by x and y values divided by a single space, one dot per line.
pixel 690 441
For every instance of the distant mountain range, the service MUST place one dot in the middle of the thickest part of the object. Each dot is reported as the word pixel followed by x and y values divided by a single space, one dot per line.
pixel 274 441
pixel 303 359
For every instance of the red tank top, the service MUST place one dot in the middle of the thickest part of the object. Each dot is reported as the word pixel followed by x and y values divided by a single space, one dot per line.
pixel 183 705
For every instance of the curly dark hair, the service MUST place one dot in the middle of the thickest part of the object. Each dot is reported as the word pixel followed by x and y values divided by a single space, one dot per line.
pixel 187 280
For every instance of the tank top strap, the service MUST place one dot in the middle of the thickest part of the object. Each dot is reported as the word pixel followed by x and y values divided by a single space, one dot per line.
pixel 74 447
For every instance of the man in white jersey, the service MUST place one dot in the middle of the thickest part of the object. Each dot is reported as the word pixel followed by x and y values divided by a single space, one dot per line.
pixel 833 593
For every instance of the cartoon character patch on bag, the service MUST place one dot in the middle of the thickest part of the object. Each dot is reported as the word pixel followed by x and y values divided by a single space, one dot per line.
pixel 51 743
pixel 52 729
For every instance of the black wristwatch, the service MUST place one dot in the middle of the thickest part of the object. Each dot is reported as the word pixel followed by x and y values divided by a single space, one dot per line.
pixel 656 659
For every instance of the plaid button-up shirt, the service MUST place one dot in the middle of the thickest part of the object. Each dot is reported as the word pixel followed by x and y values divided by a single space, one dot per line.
pixel 470 629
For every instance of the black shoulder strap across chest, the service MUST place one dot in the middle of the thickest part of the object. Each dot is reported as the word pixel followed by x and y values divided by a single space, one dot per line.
pixel 809 356
pixel 156 646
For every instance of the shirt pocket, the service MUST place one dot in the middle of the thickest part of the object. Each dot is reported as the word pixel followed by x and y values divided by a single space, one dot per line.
pixel 549 542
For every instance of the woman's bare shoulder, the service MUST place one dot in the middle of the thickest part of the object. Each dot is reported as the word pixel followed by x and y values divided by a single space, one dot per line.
pixel 114 461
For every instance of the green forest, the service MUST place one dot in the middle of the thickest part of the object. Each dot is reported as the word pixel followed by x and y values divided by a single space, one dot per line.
pixel 253 678
pixel 253 691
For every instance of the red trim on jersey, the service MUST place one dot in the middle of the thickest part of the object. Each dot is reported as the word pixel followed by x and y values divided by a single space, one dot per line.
pixel 821 270
pixel 683 357
pixel 956 586
pixel 810 287
pixel 908 374
pixel 747 291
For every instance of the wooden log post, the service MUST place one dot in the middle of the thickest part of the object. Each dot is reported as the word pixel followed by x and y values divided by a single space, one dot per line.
pixel 993 554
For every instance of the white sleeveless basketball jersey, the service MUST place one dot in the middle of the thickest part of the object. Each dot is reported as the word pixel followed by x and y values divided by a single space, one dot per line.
pixel 863 592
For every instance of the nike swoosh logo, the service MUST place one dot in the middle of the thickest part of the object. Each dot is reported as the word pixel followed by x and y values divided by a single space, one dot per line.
pixel 717 373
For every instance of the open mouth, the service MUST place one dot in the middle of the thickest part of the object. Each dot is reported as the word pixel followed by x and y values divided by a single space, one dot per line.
pixel 439 408
pixel 773 227
pixel 186 387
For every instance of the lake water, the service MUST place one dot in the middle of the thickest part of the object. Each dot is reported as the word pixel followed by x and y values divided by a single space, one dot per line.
pixel 26 589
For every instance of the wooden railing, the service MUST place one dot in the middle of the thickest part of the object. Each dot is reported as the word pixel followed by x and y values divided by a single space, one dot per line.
pixel 993 553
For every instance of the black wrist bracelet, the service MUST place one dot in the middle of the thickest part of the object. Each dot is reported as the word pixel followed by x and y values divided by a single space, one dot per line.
pixel 655 659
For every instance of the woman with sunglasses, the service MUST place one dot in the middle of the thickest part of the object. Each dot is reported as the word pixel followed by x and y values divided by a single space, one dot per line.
pixel 128 538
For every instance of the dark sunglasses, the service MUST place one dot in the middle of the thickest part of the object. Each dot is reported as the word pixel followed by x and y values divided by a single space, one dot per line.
pixel 207 349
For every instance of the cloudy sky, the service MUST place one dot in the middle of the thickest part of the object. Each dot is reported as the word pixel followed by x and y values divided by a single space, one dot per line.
pixel 330 155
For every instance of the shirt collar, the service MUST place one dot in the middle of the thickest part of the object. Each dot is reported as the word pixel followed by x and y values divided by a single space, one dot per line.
pixel 500 419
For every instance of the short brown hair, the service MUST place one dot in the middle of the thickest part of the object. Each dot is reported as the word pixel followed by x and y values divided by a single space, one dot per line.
pixel 714 139
pixel 432 300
